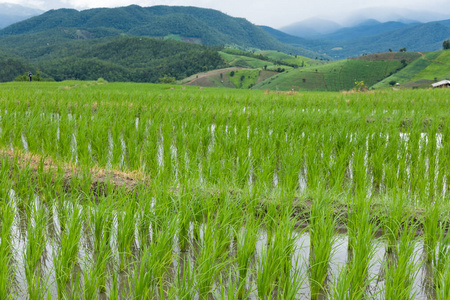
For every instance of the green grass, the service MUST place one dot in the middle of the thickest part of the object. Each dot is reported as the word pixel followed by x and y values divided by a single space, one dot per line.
pixel 439 68
pixel 411 71
pixel 244 78
pixel 291 59
pixel 244 61
pixel 335 76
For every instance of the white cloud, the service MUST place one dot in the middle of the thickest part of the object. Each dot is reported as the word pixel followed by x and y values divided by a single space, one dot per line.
pixel 261 12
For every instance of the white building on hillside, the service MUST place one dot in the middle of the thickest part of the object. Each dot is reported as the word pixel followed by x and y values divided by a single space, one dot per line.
pixel 441 84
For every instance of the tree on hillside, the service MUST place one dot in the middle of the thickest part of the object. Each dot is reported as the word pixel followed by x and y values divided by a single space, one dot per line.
pixel 167 80
pixel 446 45
pixel 403 50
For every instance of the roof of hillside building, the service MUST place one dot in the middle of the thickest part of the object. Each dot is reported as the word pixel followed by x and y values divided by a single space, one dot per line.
pixel 442 82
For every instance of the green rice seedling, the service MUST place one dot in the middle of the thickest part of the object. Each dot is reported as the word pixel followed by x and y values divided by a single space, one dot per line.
pixel 271 219
pixel 246 248
pixel 125 234
pixel 225 222
pixel 229 287
pixel 114 293
pixel 7 213
pixel 355 277
pixel 144 211
pixel 149 274
pixel 267 273
pixel 440 256
pixel 443 282
pixel 35 247
pixel 433 231
pixel 95 273
pixel 210 259
pixel 393 218
pixel 400 268
pixel 65 255
pixel 185 286
pixel 291 283
pixel 198 209
pixel 73 289
pixel 89 282
pixel 322 236
pixel 284 246
pixel 184 218
pixel 100 221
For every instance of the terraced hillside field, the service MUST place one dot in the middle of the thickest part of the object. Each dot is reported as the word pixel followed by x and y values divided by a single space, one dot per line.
pixel 334 76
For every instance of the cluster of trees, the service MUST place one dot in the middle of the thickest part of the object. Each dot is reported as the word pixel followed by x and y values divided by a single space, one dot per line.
pixel 10 67
pixel 446 45
pixel 37 77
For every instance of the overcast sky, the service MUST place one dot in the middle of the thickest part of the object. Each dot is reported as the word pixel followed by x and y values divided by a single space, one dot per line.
pixel 275 13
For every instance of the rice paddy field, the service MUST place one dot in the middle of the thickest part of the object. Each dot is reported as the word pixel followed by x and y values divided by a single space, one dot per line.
pixel 139 191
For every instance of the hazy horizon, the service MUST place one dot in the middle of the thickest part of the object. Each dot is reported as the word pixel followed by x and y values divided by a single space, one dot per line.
pixel 285 12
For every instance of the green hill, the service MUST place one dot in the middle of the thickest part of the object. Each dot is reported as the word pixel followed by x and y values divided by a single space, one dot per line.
pixel 206 26
pixel 335 76
pixel 298 60
pixel 423 71
pixel 120 59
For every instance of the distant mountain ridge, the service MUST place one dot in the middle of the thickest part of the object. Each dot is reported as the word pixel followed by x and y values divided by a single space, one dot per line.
pixel 367 28
pixel 210 26
pixel 11 13
pixel 372 36
pixel 311 28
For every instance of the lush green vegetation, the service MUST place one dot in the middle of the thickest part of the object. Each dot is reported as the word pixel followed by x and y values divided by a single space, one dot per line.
pixel 121 59
pixel 338 46
pixel 210 27
pixel 243 61
pixel 422 71
pixel 298 60
pixel 439 68
pixel 165 191
pixel 11 66
pixel 244 78
pixel 335 76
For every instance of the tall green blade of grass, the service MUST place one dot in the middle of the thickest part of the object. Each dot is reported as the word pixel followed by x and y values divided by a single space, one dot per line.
pixel 322 236
pixel 7 213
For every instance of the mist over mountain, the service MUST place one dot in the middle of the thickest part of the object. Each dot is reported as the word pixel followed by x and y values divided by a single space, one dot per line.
pixel 393 14
pixel 367 28
pixel 311 28
pixel 11 13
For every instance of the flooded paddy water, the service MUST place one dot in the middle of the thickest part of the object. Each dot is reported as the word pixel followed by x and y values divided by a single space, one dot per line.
pixel 120 276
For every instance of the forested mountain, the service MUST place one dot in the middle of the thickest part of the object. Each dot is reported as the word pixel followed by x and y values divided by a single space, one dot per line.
pixel 367 28
pixel 421 37
pixel 138 59
pixel 12 66
pixel 373 37
pixel 206 26
pixel 128 43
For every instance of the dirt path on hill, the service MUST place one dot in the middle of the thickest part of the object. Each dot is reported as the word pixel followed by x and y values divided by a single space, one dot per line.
pixel 433 61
